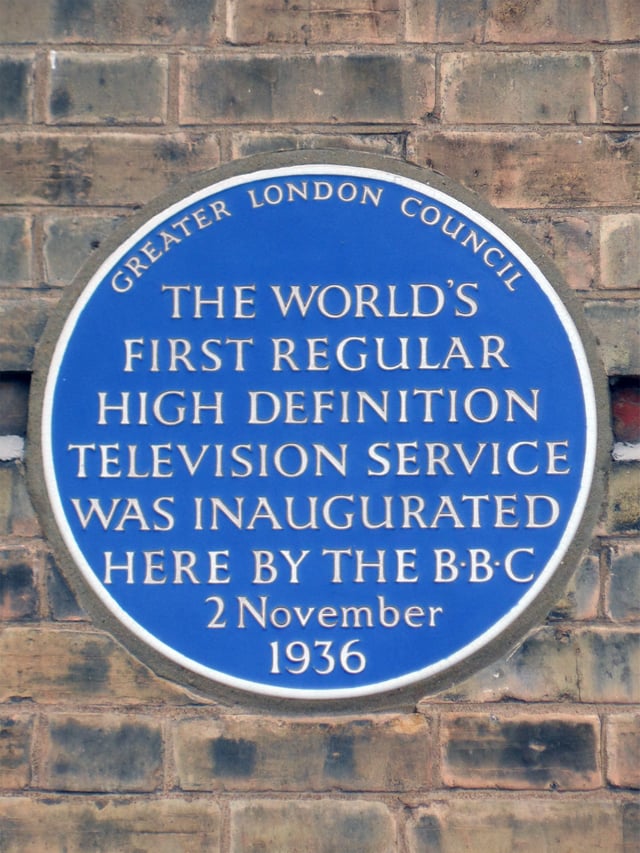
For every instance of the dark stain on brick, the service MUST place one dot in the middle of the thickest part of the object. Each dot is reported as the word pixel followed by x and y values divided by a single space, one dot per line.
pixel 540 747
pixel 192 15
pixel 13 89
pixel 630 827
pixel 374 84
pixel 91 672
pixel 18 599
pixel 171 152
pixel 14 743
pixel 233 757
pixel 66 181
pixel 128 754
pixel 513 11
pixel 62 601
pixel 74 16
pixel 60 103
pixel 534 750
pixel 429 833
pixel 339 760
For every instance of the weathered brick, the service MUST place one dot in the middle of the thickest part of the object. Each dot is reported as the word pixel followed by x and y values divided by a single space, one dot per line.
pixel 542 669
pixel 253 22
pixel 502 826
pixel 568 240
pixel 17 516
pixel 14 89
pixel 81 824
pixel 580 600
pixel 325 826
pixel 15 251
pixel 102 169
pixel 351 21
pixel 510 88
pixel 312 21
pixel 108 89
pixel 548 21
pixel 623 750
pixel 432 21
pixel 630 827
pixel 63 605
pixel 16 732
pixel 22 320
pixel 616 326
pixel 64 666
pixel 520 752
pixel 620 250
pixel 623 586
pixel 94 21
pixel 623 504
pixel 101 752
pixel 620 94
pixel 18 593
pixel 608 662
pixel 253 753
pixel 526 169
pixel 14 399
pixel 320 88
pixel 257 142
pixel 69 240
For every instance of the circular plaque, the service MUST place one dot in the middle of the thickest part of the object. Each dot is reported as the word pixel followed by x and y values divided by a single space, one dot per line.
pixel 316 427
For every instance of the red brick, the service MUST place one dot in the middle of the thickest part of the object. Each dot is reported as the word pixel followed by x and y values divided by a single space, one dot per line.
pixel 101 169
pixel 620 250
pixel 386 753
pixel 372 88
pixel 101 752
pixel 525 825
pixel 623 750
pixel 325 826
pixel 522 751
pixel 516 170
pixel 625 409
pixel 82 824
pixel 16 733
pixel 524 88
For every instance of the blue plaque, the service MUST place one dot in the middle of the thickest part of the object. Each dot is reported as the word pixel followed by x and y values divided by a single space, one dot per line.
pixel 316 429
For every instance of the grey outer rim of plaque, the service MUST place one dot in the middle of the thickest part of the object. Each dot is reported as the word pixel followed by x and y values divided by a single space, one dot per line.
pixel 402 697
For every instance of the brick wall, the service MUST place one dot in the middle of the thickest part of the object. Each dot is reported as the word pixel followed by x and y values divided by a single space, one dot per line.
pixel 535 105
